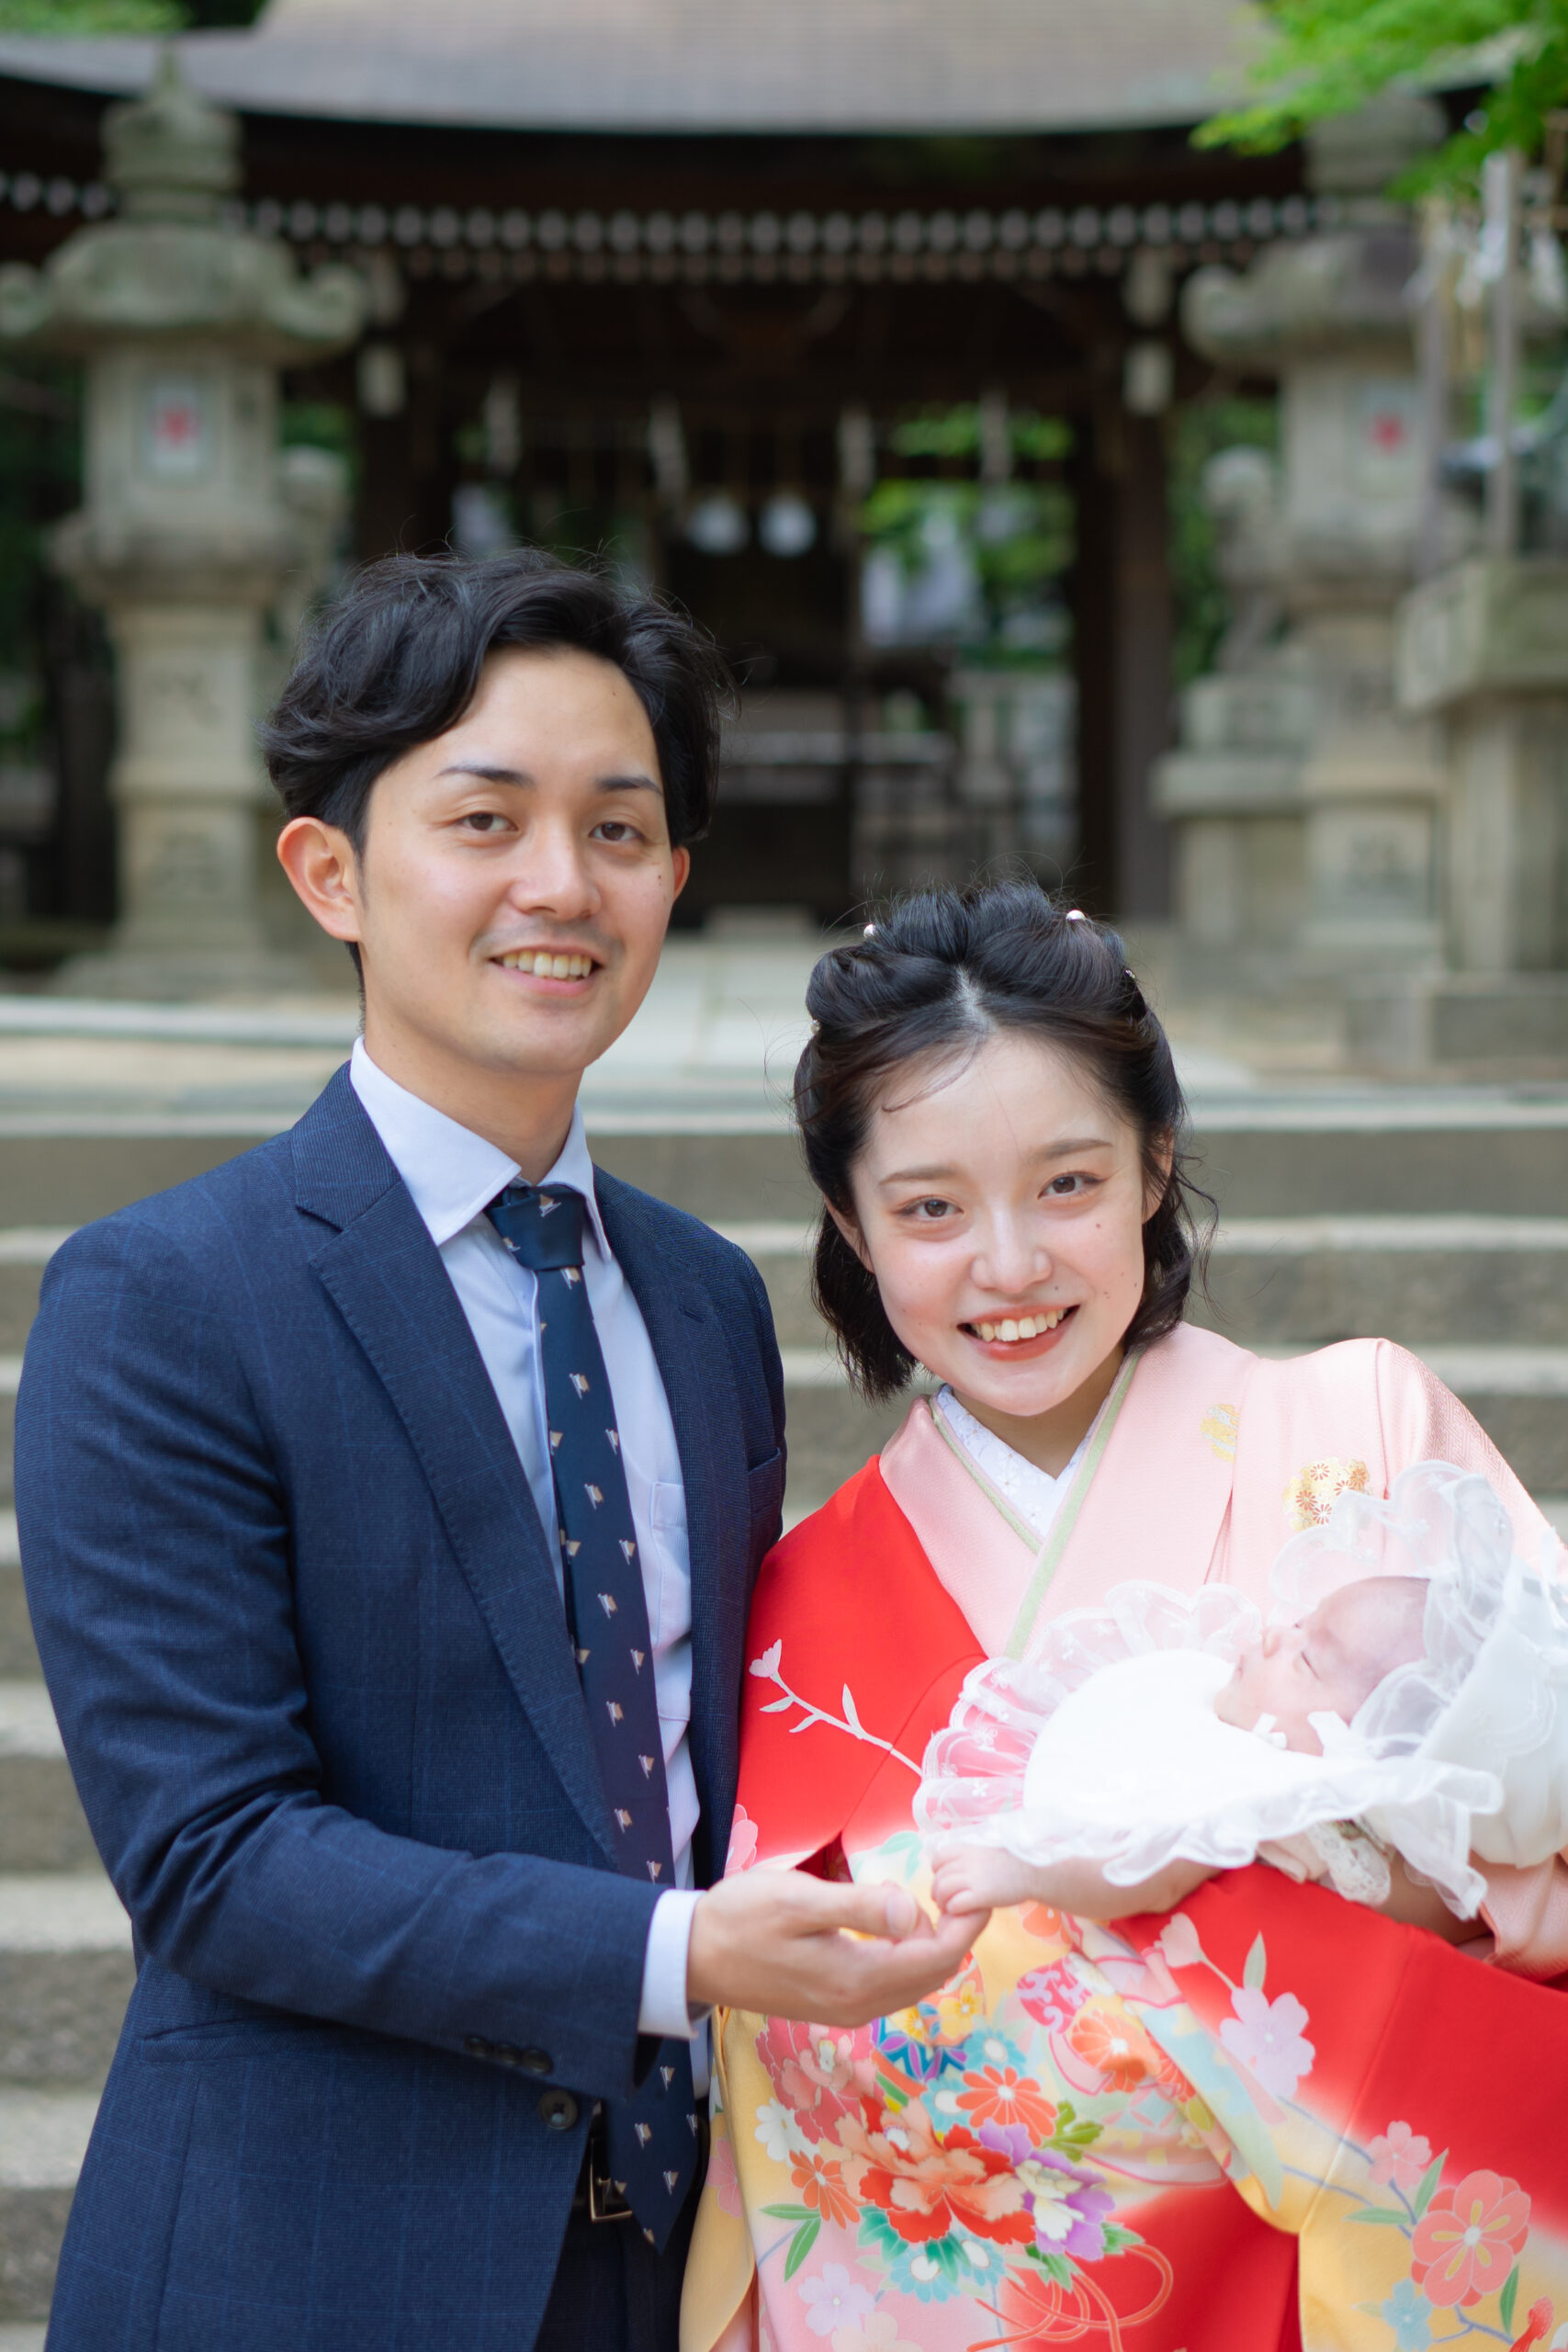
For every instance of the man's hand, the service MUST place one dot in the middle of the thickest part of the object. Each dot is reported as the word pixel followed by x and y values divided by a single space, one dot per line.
pixel 791 1945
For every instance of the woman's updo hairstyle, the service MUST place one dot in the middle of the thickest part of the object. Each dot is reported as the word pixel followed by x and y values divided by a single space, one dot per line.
pixel 934 977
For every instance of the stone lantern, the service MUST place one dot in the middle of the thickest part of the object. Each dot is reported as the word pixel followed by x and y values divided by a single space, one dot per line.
pixel 186 539
pixel 1305 805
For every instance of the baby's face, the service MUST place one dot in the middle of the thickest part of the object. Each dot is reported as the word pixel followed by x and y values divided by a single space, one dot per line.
pixel 1331 1663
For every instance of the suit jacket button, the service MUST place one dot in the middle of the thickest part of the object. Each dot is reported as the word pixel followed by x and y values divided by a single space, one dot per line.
pixel 536 2062
pixel 557 2110
pixel 478 2047
pixel 506 2054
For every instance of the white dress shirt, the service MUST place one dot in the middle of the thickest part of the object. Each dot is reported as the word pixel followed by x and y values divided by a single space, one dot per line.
pixel 453 1174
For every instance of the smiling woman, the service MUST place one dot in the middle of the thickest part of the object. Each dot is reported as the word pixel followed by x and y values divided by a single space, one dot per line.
pixel 1078 2135
pixel 992 1115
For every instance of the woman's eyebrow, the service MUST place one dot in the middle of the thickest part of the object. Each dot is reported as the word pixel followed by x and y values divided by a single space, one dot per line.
pixel 1073 1143
pixel 1062 1150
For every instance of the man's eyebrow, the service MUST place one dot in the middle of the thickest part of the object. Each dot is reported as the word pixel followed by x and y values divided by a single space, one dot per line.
pixel 487 774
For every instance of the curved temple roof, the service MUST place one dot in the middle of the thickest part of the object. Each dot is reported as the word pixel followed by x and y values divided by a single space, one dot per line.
pixel 707 66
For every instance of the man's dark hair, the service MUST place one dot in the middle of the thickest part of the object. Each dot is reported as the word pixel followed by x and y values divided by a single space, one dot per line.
pixel 396 661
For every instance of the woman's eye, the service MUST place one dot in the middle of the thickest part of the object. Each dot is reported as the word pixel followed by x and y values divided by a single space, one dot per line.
pixel 929 1212
pixel 1063 1187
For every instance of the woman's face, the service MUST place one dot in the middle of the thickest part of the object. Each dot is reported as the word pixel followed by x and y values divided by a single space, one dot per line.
pixel 1000 1204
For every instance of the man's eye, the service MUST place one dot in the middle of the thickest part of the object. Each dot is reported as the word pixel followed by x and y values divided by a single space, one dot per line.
pixel 485 820
pixel 616 829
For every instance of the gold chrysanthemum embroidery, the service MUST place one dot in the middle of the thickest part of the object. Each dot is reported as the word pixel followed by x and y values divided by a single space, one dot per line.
pixel 1310 1497
pixel 1219 1425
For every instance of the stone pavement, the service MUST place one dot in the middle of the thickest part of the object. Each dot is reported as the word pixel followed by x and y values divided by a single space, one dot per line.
pixel 1437 1216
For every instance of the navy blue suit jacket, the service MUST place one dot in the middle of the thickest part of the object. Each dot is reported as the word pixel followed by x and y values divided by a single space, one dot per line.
pixel 301 1630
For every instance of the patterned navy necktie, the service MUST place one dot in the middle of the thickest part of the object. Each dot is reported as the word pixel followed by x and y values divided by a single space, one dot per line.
pixel 652 2135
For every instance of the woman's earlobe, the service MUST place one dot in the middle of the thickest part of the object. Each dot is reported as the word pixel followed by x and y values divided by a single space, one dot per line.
pixel 1157 1182
pixel 851 1234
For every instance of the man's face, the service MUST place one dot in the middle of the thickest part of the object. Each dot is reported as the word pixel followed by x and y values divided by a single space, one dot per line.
pixel 515 880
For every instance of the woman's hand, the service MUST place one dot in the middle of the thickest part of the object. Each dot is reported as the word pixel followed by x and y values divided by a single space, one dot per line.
pixel 792 1946
pixel 973 1878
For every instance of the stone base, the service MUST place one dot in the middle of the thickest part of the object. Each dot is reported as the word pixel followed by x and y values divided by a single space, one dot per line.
pixel 1483 1024
pixel 179 975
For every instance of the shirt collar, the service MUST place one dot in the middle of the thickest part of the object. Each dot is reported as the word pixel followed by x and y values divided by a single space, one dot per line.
pixel 453 1174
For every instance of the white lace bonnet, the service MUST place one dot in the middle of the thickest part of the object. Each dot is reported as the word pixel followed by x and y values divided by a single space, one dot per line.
pixel 1491 1690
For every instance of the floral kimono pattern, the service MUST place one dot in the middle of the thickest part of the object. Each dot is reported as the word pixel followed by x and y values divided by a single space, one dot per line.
pixel 1270 2119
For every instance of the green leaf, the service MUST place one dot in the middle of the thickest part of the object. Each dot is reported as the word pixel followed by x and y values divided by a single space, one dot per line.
pixel 790 2212
pixel 1257 1964
pixel 801 2245
pixel 1507 2299
pixel 1118 2240
pixel 1384 2216
pixel 1327 57
pixel 1054 2265
pixel 891 2092
pixel 77 16
pixel 1429 2180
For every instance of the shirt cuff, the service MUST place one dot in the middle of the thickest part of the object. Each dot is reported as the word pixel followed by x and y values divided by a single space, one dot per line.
pixel 665 2010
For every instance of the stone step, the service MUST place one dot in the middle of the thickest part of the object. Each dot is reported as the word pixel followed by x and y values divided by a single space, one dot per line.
pixel 66 1974
pixel 1428 1282
pixel 1383 1151
pixel 43 2138
pixel 1395 1152
pixel 1377 1150
pixel 1425 1280
pixel 24 1250
pixel 42 1827
pixel 18 1652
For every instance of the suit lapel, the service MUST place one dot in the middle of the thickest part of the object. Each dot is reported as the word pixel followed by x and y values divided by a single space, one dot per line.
pixel 385 1275
pixel 699 1385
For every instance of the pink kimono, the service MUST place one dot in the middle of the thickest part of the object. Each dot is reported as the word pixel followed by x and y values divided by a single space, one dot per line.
pixel 1205 1459
pixel 1156 2134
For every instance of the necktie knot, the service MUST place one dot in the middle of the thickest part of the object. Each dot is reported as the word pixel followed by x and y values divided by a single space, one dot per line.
pixel 541 1225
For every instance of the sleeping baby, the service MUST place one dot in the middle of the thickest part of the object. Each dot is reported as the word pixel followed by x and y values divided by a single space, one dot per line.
pixel 1404 1711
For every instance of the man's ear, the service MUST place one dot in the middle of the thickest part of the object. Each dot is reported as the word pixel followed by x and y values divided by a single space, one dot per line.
pixel 680 859
pixel 320 861
pixel 853 1235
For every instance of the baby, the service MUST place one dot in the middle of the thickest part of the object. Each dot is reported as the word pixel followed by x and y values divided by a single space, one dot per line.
pixel 1396 1720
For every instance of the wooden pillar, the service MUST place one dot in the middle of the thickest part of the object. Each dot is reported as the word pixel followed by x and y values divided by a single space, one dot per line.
pixel 1123 624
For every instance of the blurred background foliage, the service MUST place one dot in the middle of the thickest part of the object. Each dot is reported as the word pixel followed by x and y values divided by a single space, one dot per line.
pixel 76 17
pixel 1327 57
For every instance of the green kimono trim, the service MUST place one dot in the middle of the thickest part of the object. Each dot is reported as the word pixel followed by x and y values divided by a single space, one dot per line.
pixel 1068 1511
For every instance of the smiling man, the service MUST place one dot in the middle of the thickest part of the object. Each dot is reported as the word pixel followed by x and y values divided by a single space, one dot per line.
pixel 390 1502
